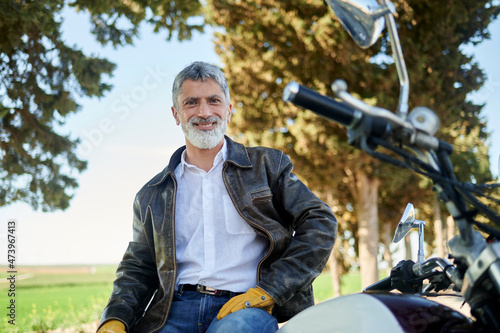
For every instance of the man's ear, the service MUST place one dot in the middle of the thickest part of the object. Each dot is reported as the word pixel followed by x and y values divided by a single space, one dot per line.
pixel 229 112
pixel 176 115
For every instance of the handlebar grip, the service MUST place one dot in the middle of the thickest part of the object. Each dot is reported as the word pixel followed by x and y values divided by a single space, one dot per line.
pixel 319 104
pixel 382 285
pixel 336 111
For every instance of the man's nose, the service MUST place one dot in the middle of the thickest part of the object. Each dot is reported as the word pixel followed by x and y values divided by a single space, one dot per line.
pixel 204 110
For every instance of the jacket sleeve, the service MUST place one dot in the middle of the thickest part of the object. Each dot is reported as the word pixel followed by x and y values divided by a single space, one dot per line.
pixel 136 278
pixel 314 229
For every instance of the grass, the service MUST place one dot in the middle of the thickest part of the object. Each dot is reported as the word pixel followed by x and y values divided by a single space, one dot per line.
pixel 350 283
pixel 49 298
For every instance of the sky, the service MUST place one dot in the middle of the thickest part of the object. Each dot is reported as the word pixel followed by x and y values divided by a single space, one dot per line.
pixel 128 137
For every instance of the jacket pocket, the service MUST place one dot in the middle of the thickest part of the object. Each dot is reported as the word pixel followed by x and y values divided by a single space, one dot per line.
pixel 262 196
pixel 263 209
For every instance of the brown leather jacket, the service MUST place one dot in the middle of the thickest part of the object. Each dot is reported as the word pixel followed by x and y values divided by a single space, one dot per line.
pixel 300 227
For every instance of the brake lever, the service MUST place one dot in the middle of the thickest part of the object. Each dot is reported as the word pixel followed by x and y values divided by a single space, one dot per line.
pixel 339 88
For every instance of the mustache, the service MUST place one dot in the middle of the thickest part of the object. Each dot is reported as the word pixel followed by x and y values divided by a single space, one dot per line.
pixel 211 119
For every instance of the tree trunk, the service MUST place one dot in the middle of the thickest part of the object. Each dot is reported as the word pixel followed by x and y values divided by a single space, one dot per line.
pixel 450 223
pixel 367 209
pixel 408 247
pixel 439 231
pixel 334 272
pixel 387 240
pixel 332 260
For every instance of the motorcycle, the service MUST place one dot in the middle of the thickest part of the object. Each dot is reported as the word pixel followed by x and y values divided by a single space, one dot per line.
pixel 402 302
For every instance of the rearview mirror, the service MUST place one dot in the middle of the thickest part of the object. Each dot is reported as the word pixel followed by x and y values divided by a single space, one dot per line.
pixel 363 19
pixel 405 224
pixel 408 222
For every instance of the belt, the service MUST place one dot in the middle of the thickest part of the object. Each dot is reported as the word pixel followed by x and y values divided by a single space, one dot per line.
pixel 206 290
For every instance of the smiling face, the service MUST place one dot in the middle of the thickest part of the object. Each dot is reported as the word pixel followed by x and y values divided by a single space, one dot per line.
pixel 203 113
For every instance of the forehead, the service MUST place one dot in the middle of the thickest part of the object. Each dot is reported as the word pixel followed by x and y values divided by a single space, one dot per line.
pixel 199 88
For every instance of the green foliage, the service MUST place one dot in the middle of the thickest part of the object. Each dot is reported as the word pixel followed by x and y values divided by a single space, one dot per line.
pixel 36 71
pixel 117 21
pixel 41 78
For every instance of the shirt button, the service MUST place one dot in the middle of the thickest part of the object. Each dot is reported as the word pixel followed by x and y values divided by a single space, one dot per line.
pixel 210 235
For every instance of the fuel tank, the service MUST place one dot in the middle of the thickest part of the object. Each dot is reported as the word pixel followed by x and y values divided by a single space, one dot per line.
pixel 379 312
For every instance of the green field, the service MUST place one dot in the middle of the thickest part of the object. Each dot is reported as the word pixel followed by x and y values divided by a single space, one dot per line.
pixel 48 298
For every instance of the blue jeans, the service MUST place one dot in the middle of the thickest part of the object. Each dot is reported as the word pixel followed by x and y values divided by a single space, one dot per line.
pixel 192 311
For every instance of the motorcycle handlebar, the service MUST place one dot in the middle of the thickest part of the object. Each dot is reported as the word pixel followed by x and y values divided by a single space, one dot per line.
pixel 406 275
pixel 431 264
pixel 319 104
pixel 343 114
pixel 333 110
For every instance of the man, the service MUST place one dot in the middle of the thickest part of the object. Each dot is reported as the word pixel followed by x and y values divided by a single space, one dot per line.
pixel 226 238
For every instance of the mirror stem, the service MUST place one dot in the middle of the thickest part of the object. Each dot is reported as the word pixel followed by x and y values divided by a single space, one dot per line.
pixel 397 54
pixel 420 253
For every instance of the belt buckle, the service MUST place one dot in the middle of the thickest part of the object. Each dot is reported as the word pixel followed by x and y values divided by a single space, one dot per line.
pixel 207 290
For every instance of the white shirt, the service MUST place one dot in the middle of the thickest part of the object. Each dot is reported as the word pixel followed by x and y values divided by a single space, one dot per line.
pixel 215 246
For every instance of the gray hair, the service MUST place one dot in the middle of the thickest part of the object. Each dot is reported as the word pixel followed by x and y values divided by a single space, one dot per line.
pixel 199 70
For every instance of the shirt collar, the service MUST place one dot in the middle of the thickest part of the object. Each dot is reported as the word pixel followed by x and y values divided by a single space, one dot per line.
pixel 219 158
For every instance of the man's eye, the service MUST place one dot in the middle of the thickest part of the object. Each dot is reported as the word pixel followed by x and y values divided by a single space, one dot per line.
pixel 215 100
pixel 192 102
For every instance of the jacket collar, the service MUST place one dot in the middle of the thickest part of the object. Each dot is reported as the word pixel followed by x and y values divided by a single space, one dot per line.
pixel 236 154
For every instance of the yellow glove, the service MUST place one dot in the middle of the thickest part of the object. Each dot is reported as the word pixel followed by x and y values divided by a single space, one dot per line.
pixel 253 298
pixel 112 326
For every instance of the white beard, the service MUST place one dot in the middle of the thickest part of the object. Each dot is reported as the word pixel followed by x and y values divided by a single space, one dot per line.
pixel 204 139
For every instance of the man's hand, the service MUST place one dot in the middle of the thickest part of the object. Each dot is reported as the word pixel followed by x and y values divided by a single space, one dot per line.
pixel 112 326
pixel 253 298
